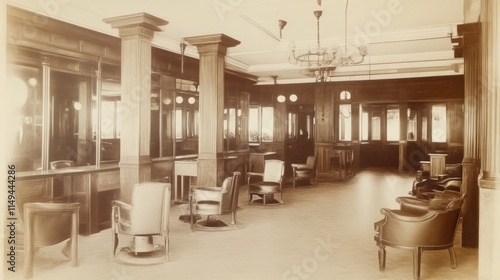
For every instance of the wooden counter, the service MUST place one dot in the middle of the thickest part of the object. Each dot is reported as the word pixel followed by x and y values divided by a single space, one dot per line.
pixel 92 187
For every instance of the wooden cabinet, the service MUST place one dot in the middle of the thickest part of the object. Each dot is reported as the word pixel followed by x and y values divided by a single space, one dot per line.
pixel 256 161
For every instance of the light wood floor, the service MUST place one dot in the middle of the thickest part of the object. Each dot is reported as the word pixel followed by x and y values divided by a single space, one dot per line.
pixel 322 232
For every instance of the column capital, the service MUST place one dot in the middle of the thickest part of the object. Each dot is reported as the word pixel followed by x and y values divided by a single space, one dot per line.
pixel 136 24
pixel 212 43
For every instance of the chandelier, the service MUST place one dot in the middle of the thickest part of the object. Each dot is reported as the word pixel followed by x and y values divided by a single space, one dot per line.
pixel 321 62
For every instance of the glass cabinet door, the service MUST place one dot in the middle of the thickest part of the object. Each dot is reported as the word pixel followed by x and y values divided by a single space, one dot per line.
pixel 110 114
pixel 24 99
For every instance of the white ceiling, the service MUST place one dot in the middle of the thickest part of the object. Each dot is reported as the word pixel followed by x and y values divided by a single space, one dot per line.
pixel 405 38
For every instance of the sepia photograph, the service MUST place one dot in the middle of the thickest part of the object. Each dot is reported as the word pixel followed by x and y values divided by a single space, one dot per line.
pixel 250 139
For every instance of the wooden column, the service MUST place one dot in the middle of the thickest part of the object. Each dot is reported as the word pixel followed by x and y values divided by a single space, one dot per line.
pixel 403 137
pixel 470 49
pixel 212 50
pixel 136 31
pixel 489 180
pixel 356 137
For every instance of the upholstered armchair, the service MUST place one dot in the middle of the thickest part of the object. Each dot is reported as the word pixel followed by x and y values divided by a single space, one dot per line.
pixel 47 224
pixel 307 171
pixel 422 188
pixel 145 217
pixel 215 201
pixel 421 205
pixel 268 183
pixel 419 225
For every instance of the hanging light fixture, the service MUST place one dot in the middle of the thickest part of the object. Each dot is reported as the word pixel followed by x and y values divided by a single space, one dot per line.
pixel 321 62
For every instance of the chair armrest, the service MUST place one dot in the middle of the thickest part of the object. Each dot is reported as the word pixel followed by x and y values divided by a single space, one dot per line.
pixel 121 204
pixel 255 174
pixel 407 216
pixel 212 189
pixel 303 169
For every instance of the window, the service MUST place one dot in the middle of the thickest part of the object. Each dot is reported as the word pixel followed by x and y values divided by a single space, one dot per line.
pixel 267 124
pixel 439 123
pixel 376 127
pixel 412 125
pixel 178 123
pixel 293 125
pixel 364 126
pixel 393 124
pixel 345 122
pixel 260 124
pixel 110 126
pixel 424 128
pixel 253 124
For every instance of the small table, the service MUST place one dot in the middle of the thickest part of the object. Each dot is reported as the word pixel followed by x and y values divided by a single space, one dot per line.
pixel 342 154
pixel 183 168
pixel 437 164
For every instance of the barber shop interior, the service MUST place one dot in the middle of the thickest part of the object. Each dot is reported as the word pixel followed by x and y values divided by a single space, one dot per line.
pixel 263 139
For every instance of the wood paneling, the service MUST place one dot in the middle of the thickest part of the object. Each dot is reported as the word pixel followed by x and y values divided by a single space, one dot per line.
pixel 421 92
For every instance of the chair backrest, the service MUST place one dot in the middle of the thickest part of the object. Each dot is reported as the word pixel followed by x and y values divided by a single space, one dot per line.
pixel 51 223
pixel 61 164
pixel 150 208
pixel 227 192
pixel 311 162
pixel 236 191
pixel 273 170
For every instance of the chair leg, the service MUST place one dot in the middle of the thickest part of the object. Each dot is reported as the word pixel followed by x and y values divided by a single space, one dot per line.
pixel 29 249
pixel 191 212
pixel 74 239
pixel 417 257
pixel 381 258
pixel 233 217
pixel 166 248
pixel 453 257
pixel 114 242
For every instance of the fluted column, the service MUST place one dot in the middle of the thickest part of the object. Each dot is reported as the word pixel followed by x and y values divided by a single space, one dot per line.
pixel 136 31
pixel 212 50
pixel 489 180
pixel 470 45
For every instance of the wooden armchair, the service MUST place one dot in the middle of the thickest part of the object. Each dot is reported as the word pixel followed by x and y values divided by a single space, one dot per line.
pixel 215 201
pixel 145 217
pixel 419 226
pixel 305 171
pixel 268 184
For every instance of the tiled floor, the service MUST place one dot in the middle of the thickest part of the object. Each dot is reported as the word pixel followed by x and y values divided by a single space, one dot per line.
pixel 322 232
